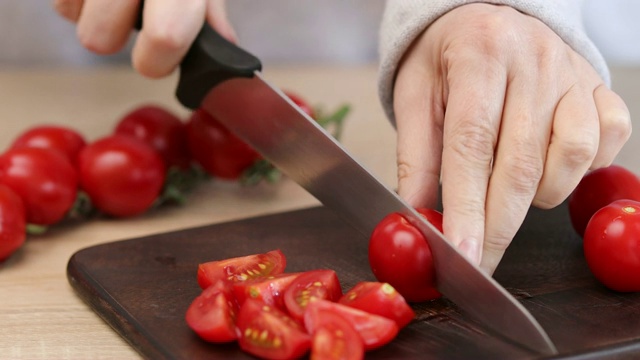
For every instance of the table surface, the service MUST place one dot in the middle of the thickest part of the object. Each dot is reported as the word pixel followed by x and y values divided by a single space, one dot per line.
pixel 41 316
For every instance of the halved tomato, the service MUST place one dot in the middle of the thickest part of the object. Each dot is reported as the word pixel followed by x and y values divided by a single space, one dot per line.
pixel 269 290
pixel 213 313
pixel 380 299
pixel 241 268
pixel 269 333
pixel 335 338
pixel 374 330
pixel 309 286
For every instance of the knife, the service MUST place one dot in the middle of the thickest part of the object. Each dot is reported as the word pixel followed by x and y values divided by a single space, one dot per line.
pixel 226 81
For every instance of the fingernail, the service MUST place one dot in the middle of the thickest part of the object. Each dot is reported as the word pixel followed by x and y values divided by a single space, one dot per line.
pixel 471 249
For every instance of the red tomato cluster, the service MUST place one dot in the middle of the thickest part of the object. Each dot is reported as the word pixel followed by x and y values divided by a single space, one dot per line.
pixel 605 210
pixel 277 315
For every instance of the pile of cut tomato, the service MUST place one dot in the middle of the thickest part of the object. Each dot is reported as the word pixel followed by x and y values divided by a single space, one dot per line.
pixel 274 314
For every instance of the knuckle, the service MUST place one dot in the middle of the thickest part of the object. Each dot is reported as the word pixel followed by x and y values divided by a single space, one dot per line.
pixel 523 171
pixel 617 124
pixel 473 140
pixel 577 151
pixel 164 39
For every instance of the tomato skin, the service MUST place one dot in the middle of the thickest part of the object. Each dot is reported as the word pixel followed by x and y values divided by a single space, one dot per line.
pixel 334 338
pixel 599 188
pixel 612 245
pixel 12 222
pixel 212 314
pixel 60 138
pixel 400 255
pixel 270 333
pixel 160 129
pixel 309 286
pixel 216 149
pixel 122 176
pixel 380 299
pixel 45 180
pixel 241 268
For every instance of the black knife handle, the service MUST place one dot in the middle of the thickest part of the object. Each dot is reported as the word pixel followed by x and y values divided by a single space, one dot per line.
pixel 211 60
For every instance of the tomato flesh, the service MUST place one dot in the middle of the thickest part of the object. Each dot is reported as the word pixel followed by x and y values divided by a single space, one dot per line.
pixel 212 315
pixel 309 286
pixel 270 290
pixel 334 338
pixel 241 268
pixel 380 299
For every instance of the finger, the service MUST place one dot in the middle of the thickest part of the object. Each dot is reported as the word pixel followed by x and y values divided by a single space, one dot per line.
pixel 104 26
pixel 217 17
pixel 474 108
pixel 69 9
pixel 573 146
pixel 419 115
pixel 615 125
pixel 168 29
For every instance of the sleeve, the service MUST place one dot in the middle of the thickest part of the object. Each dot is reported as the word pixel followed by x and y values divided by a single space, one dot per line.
pixel 403 21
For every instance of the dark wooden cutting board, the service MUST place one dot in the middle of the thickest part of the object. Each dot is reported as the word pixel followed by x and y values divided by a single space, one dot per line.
pixel 142 288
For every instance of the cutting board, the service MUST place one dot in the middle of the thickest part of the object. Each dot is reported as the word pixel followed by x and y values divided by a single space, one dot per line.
pixel 142 288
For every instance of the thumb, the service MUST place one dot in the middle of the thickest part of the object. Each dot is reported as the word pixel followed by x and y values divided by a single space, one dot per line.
pixel 218 19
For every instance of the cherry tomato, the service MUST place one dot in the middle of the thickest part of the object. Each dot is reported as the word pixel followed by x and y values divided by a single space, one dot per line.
pixel 270 290
pixel 241 268
pixel 44 179
pixel 268 332
pixel 334 338
pixel 400 255
pixel 380 299
pixel 122 176
pixel 160 129
pixel 612 245
pixel 308 287
pixel 599 188
pixel 212 315
pixel 374 330
pixel 216 149
pixel 12 222
pixel 60 138
pixel 302 103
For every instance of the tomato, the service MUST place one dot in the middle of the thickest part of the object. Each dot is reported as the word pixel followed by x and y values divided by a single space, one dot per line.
pixel 122 176
pixel 400 255
pixel 44 179
pixel 216 149
pixel 380 299
pixel 270 333
pixel 599 188
pixel 269 290
pixel 160 129
pixel 612 245
pixel 12 222
pixel 302 103
pixel 334 338
pixel 60 138
pixel 309 286
pixel 212 314
pixel 374 330
pixel 241 268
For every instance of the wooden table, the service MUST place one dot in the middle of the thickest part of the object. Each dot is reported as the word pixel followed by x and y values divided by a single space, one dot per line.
pixel 40 316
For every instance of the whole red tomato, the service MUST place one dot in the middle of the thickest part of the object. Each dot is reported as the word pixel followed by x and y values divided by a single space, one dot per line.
pixel 61 138
pixel 122 176
pixel 44 179
pixel 598 189
pixel 216 149
pixel 612 245
pixel 160 129
pixel 12 222
pixel 400 255
pixel 302 103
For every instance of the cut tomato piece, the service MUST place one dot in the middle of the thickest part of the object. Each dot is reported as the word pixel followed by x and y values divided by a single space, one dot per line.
pixel 241 268
pixel 380 299
pixel 374 330
pixel 212 314
pixel 269 290
pixel 309 286
pixel 270 333
pixel 335 338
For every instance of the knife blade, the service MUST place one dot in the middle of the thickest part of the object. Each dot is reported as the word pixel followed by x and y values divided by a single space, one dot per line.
pixel 226 81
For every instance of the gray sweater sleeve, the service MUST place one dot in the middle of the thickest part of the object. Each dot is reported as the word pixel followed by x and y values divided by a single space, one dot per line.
pixel 404 20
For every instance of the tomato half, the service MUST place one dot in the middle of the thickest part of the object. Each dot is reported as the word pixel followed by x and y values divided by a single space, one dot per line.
pixel 380 299
pixel 241 268
pixel 269 333
pixel 612 245
pixel 310 286
pixel 213 313
pixel 374 330
pixel 599 188
pixel 122 176
pixel 400 255
pixel 61 138
pixel 45 180
pixel 270 290
pixel 334 338
pixel 12 222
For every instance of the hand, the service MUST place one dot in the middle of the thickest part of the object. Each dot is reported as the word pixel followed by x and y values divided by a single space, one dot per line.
pixel 169 28
pixel 493 104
